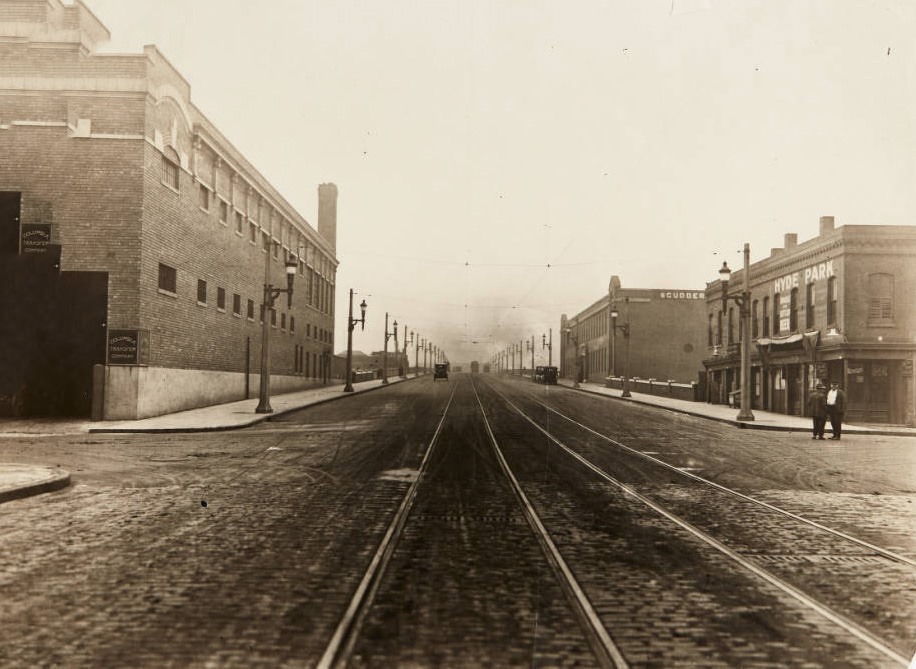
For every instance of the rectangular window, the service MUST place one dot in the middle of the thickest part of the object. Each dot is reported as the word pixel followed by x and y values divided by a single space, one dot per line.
pixel 731 325
pixel 880 299
pixel 236 304
pixel 221 299
pixel 204 198
pixel 250 314
pixel 239 223
pixel 168 279
pixel 283 321
pixel 201 291
pixel 169 173
pixel 793 310
pixel 252 233
pixel 755 319
pixel 809 306
pixel 776 326
pixel 292 323
pixel 765 310
pixel 831 301
pixel 223 211
pixel 273 318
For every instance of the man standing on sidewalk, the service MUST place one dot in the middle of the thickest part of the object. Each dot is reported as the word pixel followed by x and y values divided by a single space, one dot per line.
pixel 836 408
pixel 817 409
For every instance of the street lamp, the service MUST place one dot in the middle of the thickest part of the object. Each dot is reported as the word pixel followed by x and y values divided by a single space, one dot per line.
pixel 270 295
pixel 351 323
pixel 575 340
pixel 625 329
pixel 388 335
pixel 405 360
pixel 743 300
pixel 548 344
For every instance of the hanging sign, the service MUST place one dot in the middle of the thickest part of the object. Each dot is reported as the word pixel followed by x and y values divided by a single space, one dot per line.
pixel 128 347
pixel 36 237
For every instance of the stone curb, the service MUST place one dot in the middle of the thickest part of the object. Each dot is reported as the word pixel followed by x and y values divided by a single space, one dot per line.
pixel 56 481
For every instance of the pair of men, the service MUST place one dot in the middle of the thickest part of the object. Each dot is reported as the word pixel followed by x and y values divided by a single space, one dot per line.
pixel 823 405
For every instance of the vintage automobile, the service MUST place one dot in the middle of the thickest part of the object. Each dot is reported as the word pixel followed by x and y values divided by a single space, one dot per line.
pixel 440 371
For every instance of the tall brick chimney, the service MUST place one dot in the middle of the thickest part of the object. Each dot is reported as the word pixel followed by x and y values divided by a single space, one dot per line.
pixel 826 224
pixel 327 213
pixel 791 239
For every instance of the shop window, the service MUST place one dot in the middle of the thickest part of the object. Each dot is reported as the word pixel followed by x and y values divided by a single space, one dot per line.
pixel 880 299
pixel 201 291
pixel 168 279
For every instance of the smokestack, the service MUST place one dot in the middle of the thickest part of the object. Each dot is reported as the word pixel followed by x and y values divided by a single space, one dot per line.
pixel 826 224
pixel 327 213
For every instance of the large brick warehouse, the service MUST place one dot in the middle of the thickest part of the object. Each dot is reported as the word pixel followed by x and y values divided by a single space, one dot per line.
pixel 135 239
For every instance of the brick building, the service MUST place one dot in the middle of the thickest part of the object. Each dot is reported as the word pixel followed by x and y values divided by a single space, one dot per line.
pixel 665 342
pixel 135 239
pixel 838 307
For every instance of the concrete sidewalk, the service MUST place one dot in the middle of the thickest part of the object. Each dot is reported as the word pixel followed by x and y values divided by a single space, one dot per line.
pixel 19 480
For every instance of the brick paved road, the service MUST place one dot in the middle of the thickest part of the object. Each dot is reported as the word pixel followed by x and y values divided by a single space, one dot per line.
pixel 241 549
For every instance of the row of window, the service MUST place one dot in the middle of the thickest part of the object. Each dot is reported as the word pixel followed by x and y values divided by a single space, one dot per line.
pixel 168 283
pixel 779 318
pixel 319 290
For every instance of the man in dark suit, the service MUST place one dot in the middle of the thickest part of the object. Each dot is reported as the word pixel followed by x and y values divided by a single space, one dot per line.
pixel 836 408
pixel 817 409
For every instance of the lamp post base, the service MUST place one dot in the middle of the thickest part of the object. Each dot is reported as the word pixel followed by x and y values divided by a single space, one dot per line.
pixel 348 388
pixel 625 393
pixel 745 416
pixel 263 409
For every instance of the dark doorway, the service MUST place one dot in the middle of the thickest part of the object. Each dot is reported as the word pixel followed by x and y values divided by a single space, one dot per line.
pixel 52 334
pixel 9 223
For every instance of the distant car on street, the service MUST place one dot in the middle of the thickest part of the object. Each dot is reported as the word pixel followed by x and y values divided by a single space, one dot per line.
pixel 440 371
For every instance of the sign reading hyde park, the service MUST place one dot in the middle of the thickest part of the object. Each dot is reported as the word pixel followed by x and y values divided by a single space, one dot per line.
pixel 811 274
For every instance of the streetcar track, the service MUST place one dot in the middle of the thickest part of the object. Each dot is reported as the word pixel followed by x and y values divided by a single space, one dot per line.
pixel 799 595
pixel 688 472
pixel 606 651
pixel 345 635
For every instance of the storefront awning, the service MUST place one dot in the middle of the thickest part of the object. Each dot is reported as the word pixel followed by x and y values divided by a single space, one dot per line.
pixel 801 340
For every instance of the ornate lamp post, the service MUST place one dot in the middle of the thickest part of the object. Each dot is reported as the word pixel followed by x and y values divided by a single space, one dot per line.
pixel 351 323
pixel 270 295
pixel 388 335
pixel 625 329
pixel 575 341
pixel 405 359
pixel 743 300
pixel 548 344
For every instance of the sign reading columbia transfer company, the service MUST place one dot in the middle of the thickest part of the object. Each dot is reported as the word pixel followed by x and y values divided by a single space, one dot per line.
pixel 128 347
pixel 35 237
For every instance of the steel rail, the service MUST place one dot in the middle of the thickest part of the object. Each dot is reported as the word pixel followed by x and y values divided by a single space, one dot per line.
pixel 890 555
pixel 341 643
pixel 606 651
pixel 837 618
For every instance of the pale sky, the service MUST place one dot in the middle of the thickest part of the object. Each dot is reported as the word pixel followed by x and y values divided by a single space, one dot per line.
pixel 499 160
